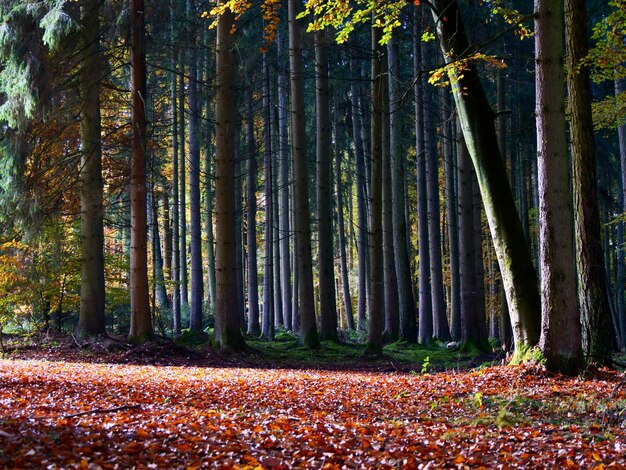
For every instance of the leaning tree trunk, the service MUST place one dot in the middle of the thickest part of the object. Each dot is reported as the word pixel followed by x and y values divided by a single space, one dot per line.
pixel 518 273
pixel 306 309
pixel 227 316
pixel 140 318
pixel 328 303
pixel 592 289
pixel 91 320
pixel 560 328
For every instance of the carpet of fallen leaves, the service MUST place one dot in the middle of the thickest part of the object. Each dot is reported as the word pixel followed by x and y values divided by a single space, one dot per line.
pixel 85 415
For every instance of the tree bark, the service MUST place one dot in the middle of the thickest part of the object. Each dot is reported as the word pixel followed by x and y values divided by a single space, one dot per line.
pixel 560 326
pixel 267 329
pixel 518 274
pixel 140 318
pixel 328 302
pixel 306 309
pixel 227 316
pixel 91 320
pixel 592 289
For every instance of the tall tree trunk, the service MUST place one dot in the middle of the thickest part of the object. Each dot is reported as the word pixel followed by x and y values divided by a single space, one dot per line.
pixel 390 285
pixel 227 316
pixel 477 228
pixel 254 327
pixel 182 186
pixel 375 327
pixel 268 274
pixel 560 328
pixel 406 302
pixel 176 317
pixel 140 318
pixel 157 256
pixel 425 323
pixel 239 263
pixel 518 274
pixel 91 320
pixel 328 304
pixel 361 206
pixel 197 281
pixel 452 221
pixel 592 289
pixel 345 283
pixel 283 182
pixel 470 317
pixel 308 326
pixel 620 87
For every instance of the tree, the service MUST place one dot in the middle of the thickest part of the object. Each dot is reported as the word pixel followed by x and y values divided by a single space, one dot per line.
pixel 306 308
pixel 328 304
pixel 592 289
pixel 91 320
pixel 560 325
pixel 227 319
pixel 140 320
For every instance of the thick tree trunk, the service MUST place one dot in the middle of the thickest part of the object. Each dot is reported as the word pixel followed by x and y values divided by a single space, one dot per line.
pixel 140 318
pixel 227 316
pixel 620 87
pixel 518 274
pixel 560 328
pixel 328 302
pixel 375 327
pixel 592 289
pixel 197 282
pixel 308 326
pixel 91 320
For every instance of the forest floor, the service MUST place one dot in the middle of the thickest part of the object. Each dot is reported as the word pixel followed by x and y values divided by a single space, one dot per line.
pixel 156 408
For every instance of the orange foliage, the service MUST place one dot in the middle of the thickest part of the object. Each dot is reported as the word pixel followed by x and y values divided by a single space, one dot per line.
pixel 120 416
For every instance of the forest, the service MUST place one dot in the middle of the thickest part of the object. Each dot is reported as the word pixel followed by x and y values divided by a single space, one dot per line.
pixel 326 233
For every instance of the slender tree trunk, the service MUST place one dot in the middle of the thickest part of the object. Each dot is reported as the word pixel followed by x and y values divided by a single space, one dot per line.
pixel 140 318
pixel 227 316
pixel 254 327
pixel 518 274
pixel 239 263
pixel 452 213
pixel 560 329
pixel 477 228
pixel 390 285
pixel 157 256
pixel 425 332
pixel 406 302
pixel 167 228
pixel 91 320
pixel 284 183
pixel 328 304
pixel 308 327
pixel 345 282
pixel 620 87
pixel 182 186
pixel 268 274
pixel 361 206
pixel 592 289
pixel 470 317
pixel 208 183
pixel 197 282
pixel 375 327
